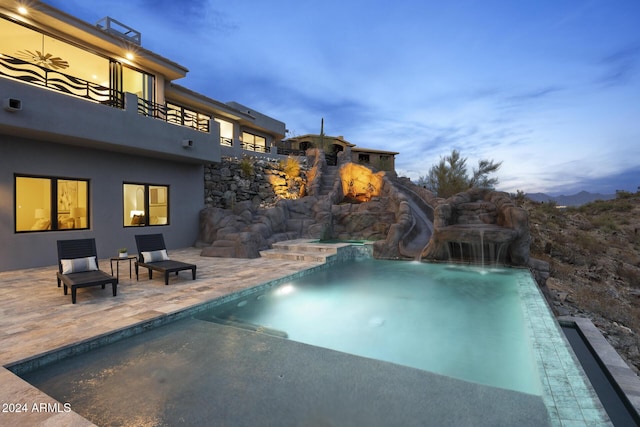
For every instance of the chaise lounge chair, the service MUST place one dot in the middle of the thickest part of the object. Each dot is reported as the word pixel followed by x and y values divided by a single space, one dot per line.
pixel 78 267
pixel 152 254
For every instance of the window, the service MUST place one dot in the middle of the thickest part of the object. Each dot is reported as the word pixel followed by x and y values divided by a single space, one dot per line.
pixel 226 132
pixel 51 204
pixel 186 117
pixel 145 204
pixel 363 158
pixel 254 142
pixel 138 82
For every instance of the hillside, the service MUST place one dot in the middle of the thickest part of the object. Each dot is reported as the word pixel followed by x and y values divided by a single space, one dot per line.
pixel 577 199
pixel 594 254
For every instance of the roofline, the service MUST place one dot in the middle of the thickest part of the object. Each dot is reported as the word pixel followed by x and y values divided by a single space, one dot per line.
pixel 59 23
pixel 370 150
pixel 207 103
pixel 311 135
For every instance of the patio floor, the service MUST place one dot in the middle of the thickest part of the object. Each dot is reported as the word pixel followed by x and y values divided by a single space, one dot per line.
pixel 37 318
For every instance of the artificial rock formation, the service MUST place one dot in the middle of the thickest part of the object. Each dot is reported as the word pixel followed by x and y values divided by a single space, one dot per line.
pixel 244 223
pixel 351 201
pixel 480 223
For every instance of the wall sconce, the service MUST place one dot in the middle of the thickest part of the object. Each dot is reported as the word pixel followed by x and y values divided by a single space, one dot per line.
pixel 187 143
pixel 12 104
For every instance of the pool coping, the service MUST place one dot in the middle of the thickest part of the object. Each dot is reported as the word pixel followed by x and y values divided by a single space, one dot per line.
pixel 611 362
pixel 566 389
pixel 39 360
pixel 549 321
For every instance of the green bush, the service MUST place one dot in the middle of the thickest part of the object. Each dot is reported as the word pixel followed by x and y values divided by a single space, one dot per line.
pixel 246 166
pixel 291 167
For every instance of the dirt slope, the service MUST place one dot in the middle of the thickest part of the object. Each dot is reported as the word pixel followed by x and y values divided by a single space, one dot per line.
pixel 594 255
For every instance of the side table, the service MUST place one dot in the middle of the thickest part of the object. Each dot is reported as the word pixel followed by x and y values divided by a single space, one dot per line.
pixel 117 259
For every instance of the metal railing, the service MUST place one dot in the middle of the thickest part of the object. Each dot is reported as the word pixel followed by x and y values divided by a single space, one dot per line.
pixel 226 142
pixel 290 152
pixel 172 115
pixel 28 72
pixel 255 147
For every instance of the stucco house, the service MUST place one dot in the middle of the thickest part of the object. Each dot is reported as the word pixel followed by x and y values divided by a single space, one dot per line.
pixel 97 139
pixel 380 159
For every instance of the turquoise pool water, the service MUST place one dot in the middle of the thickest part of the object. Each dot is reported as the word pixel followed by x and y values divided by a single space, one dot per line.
pixel 454 321
pixel 488 327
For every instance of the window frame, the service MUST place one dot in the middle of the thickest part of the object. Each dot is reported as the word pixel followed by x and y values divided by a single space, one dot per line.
pixel 147 204
pixel 54 212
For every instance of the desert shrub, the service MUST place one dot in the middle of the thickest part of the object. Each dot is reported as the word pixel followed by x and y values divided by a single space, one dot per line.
pixel 601 206
pixel 605 223
pixel 291 167
pixel 246 166
pixel 587 242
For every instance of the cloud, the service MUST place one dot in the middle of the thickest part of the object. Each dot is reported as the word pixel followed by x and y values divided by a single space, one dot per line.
pixel 535 93
pixel 620 66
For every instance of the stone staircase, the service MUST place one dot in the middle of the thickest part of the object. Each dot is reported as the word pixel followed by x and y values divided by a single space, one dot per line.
pixel 327 180
pixel 302 250
pixel 311 250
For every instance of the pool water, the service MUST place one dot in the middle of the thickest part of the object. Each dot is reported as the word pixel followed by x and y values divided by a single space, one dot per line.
pixel 450 320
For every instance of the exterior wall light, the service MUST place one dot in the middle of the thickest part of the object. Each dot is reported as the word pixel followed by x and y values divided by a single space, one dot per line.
pixel 12 104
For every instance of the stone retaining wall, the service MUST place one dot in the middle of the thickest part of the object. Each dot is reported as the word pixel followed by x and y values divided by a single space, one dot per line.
pixel 260 181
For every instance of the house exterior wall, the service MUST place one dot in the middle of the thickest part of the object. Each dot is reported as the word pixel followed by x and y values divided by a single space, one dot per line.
pixel 380 160
pixel 106 171
pixel 56 116
pixel 74 137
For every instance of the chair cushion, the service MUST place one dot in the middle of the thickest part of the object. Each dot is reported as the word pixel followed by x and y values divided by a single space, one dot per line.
pixel 155 256
pixel 78 265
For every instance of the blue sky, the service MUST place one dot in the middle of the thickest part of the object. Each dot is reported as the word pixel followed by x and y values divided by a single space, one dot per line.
pixel 549 87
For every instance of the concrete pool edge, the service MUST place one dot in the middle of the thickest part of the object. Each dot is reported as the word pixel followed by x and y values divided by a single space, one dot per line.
pixel 37 361
pixel 160 314
pixel 567 391
pixel 610 360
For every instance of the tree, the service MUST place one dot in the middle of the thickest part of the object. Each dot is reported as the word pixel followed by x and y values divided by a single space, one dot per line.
pixel 450 175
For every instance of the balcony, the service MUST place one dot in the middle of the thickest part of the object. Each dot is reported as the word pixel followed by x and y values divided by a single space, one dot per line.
pixel 54 116
pixel 28 72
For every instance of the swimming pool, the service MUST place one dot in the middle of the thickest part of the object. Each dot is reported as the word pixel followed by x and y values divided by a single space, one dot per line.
pixel 184 368
pixel 445 319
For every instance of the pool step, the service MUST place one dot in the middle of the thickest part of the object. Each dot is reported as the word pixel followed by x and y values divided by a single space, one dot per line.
pixel 302 250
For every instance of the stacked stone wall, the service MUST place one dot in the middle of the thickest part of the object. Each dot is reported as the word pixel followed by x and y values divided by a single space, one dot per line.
pixel 262 182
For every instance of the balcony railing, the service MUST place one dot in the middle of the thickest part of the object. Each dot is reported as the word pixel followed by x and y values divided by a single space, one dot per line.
pixel 35 74
pixel 172 115
pixel 226 142
pixel 28 72
pixel 255 147
pixel 290 152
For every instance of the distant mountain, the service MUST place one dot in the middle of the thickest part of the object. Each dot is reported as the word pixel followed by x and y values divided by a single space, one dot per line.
pixel 573 200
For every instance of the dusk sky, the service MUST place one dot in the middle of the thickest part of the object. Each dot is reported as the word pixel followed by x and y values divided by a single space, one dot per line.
pixel 549 87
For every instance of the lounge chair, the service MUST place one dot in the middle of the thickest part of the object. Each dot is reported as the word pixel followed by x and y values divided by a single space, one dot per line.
pixel 78 267
pixel 152 254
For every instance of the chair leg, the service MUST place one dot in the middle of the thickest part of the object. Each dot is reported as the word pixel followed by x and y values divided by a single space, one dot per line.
pixel 193 273
pixel 58 282
pixel 73 294
pixel 114 287
pixel 166 278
